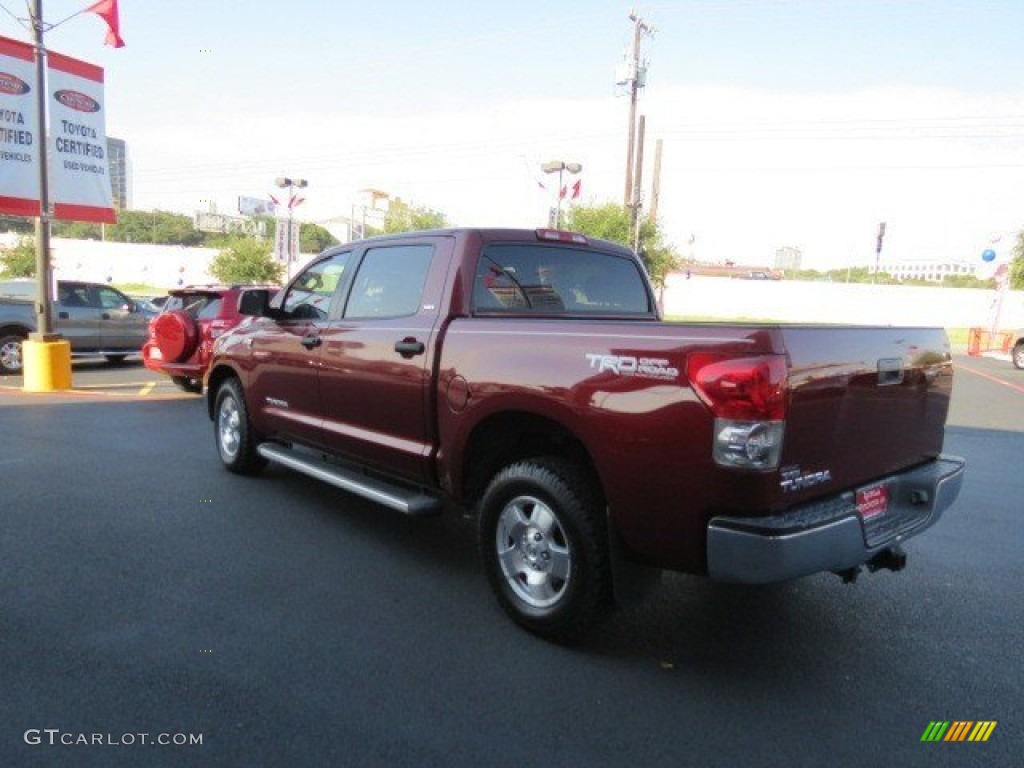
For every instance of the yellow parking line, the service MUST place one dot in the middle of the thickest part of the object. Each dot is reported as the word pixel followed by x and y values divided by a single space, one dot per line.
pixel 148 388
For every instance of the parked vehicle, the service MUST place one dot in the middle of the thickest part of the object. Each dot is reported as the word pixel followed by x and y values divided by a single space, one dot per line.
pixel 181 336
pixel 95 318
pixel 525 377
pixel 1017 348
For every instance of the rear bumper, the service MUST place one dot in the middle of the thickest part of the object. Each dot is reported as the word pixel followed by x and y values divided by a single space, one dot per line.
pixel 152 359
pixel 830 535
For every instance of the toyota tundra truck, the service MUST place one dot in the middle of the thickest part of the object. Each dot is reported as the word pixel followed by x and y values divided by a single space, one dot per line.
pixel 526 378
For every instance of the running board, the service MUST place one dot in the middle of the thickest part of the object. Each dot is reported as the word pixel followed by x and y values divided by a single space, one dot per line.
pixel 404 500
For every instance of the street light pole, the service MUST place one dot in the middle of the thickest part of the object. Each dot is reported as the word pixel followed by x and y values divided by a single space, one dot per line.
pixel 559 167
pixel 283 182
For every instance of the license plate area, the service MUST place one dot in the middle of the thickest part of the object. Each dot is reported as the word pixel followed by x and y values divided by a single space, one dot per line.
pixel 873 502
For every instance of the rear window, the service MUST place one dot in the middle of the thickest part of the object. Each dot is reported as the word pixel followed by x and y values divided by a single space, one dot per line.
pixel 539 279
pixel 193 304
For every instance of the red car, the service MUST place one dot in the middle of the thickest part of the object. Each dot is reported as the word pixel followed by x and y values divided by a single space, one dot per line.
pixel 181 337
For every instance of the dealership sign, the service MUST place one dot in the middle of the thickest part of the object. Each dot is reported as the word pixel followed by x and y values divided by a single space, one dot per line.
pixel 79 173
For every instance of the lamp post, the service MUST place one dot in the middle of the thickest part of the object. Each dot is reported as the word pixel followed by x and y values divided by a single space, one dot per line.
pixel 290 184
pixel 559 167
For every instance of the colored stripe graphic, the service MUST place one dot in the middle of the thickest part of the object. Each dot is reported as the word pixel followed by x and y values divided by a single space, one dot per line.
pixel 982 730
pixel 959 730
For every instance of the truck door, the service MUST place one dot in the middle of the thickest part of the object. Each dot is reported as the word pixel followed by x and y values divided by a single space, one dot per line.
pixel 377 364
pixel 121 325
pixel 77 315
pixel 284 390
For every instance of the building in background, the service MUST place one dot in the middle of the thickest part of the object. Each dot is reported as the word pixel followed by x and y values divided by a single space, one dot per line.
pixel 788 257
pixel 120 173
pixel 932 271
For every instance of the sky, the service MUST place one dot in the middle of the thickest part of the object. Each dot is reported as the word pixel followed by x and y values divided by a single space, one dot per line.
pixel 783 122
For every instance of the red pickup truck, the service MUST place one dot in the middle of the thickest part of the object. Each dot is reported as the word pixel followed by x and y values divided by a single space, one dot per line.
pixel 526 377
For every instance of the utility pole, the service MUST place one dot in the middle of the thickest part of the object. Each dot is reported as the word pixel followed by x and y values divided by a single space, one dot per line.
pixel 635 77
pixel 634 209
pixel 652 212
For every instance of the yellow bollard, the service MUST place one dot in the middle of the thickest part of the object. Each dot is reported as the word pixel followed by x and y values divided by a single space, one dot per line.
pixel 46 365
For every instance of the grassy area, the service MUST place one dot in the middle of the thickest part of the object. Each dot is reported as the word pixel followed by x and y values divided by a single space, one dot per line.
pixel 139 289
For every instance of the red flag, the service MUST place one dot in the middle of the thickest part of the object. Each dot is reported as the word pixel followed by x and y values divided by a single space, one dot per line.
pixel 562 192
pixel 107 10
pixel 296 201
pixel 576 189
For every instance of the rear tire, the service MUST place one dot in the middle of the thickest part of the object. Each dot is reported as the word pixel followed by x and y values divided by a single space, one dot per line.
pixel 236 440
pixel 188 384
pixel 543 540
pixel 1018 355
pixel 10 354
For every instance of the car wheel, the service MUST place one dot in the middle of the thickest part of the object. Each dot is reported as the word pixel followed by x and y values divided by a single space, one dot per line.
pixel 544 545
pixel 1018 355
pixel 188 384
pixel 115 359
pixel 10 354
pixel 236 440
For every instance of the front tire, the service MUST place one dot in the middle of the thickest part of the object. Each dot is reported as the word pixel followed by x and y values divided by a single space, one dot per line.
pixel 233 432
pixel 10 354
pixel 543 541
pixel 1018 355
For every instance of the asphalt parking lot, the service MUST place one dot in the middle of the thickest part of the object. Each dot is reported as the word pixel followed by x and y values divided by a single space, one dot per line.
pixel 147 594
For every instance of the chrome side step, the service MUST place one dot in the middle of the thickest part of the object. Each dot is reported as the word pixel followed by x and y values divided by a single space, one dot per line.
pixel 404 500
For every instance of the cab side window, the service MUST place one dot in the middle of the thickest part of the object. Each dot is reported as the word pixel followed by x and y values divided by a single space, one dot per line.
pixel 309 297
pixel 390 282
pixel 110 299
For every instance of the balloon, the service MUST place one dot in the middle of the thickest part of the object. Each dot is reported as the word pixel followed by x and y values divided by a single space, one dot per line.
pixel 988 255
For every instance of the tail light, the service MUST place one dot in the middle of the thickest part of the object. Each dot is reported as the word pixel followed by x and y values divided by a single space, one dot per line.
pixel 747 396
pixel 219 327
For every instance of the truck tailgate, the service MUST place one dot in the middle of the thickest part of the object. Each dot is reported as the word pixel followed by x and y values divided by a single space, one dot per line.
pixel 863 403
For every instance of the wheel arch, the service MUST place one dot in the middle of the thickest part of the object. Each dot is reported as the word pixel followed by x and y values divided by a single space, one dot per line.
pixel 217 376
pixel 508 436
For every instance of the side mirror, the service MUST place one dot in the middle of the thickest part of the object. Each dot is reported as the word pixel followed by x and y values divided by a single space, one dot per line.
pixel 255 303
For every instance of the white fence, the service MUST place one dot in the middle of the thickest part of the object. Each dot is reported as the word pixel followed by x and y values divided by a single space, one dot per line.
pixel 796 301
pixel 167 266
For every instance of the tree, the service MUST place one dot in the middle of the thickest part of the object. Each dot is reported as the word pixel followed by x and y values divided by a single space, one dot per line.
pixel 20 260
pixel 313 238
pixel 77 230
pixel 158 227
pixel 612 221
pixel 401 217
pixel 1017 265
pixel 246 260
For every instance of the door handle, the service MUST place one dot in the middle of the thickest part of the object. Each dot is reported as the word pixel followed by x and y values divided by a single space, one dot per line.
pixel 409 347
pixel 311 341
pixel 63 315
pixel 105 315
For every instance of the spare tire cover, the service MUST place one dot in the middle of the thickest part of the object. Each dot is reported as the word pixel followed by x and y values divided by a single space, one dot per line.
pixel 176 335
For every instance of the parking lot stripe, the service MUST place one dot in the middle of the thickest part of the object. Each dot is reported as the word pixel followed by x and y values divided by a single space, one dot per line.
pixel 984 375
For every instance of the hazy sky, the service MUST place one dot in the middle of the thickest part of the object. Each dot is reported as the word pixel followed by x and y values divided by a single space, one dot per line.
pixel 783 122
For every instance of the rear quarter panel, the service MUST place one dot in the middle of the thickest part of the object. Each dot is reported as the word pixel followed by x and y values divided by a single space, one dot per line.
pixel 649 436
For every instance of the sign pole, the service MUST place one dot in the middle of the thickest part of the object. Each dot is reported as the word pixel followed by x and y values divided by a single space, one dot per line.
pixel 44 316
pixel 46 356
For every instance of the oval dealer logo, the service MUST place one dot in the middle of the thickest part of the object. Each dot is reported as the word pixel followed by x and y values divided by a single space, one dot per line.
pixel 12 84
pixel 78 101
